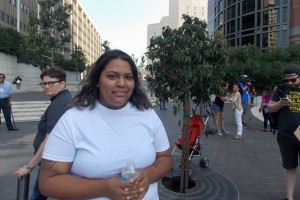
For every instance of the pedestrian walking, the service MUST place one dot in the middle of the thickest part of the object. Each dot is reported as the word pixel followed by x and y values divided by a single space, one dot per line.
pixel 265 99
pixel 285 102
pixel 5 102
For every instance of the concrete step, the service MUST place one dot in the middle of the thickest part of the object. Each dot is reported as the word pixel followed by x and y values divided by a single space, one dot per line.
pixel 27 111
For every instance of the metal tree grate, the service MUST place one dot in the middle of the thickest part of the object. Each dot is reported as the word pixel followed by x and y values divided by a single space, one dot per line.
pixel 208 186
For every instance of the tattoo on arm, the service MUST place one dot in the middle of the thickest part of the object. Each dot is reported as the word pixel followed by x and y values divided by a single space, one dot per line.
pixel 48 165
pixel 156 163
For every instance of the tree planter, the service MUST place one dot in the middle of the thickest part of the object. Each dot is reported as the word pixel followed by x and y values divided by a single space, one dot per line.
pixel 203 185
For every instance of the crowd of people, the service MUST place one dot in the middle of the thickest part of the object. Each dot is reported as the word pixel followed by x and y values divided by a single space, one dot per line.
pixel 72 146
pixel 280 108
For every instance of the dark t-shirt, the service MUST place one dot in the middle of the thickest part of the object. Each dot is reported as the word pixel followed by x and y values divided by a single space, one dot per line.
pixel 288 116
pixel 218 101
pixel 58 106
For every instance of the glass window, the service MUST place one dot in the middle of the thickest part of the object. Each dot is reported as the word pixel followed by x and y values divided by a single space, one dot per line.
pixel 285 2
pixel 265 40
pixel 247 32
pixel 258 5
pixel 271 17
pixel 258 40
pixel 248 6
pixel 231 13
pixel 248 21
pixel 277 2
pixel 231 42
pixel 269 3
pixel 270 39
pixel 229 2
pixel 221 5
pixel 231 27
pixel 258 19
pixel 248 40
pixel 221 19
pixel 230 36
pixel 284 39
pixel 284 15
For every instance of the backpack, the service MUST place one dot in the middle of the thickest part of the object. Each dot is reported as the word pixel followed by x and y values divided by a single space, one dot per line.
pixel 274 116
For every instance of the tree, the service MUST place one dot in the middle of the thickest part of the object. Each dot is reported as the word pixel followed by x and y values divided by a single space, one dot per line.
pixel 141 66
pixel 105 46
pixel 10 41
pixel 186 62
pixel 79 59
pixel 48 34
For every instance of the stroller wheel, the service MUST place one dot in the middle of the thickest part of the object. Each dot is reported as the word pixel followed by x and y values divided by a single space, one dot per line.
pixel 203 162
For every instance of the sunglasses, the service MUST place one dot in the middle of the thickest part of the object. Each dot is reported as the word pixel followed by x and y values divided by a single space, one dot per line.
pixel 293 80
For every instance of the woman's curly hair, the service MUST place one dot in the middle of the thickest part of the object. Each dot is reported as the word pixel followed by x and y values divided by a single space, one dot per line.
pixel 89 93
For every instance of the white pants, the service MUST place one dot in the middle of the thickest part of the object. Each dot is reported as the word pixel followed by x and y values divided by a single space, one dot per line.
pixel 238 120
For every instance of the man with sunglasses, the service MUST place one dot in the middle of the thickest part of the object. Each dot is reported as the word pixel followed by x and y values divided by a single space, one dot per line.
pixel 286 101
pixel 54 85
pixel 5 102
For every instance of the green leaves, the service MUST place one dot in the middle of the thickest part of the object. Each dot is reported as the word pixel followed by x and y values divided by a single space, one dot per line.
pixel 186 55
pixel 10 41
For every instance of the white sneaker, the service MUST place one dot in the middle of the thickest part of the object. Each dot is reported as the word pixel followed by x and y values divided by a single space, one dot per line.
pixel 219 132
pixel 224 131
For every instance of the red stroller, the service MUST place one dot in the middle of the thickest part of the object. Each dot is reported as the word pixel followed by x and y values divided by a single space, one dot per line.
pixel 196 129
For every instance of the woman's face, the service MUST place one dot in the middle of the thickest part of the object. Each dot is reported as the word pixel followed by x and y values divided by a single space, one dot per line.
pixel 116 84
pixel 235 88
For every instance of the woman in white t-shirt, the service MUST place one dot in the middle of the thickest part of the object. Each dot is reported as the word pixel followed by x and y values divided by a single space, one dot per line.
pixel 112 122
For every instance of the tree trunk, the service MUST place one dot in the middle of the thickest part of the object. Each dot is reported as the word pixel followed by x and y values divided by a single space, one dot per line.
pixel 184 177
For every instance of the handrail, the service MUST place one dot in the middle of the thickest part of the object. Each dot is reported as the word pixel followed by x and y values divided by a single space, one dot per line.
pixel 23 188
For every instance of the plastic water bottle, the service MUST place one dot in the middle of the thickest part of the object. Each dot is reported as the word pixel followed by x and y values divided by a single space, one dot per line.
pixel 129 171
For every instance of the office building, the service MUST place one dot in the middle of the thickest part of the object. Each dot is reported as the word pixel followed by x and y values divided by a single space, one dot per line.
pixel 194 8
pixel 264 23
pixel 15 14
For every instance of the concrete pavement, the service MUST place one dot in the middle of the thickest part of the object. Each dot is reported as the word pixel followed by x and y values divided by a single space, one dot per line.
pixel 252 164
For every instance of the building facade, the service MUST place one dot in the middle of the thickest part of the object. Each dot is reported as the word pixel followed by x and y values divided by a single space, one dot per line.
pixel 194 8
pixel 15 14
pixel 84 32
pixel 264 23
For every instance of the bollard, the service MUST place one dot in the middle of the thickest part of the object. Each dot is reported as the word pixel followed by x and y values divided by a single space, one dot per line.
pixel 23 188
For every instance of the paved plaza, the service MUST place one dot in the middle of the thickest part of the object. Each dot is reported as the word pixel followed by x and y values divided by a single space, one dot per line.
pixel 252 164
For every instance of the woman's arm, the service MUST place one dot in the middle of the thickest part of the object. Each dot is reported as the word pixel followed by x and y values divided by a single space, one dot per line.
pixel 261 103
pixel 161 166
pixel 35 160
pixel 55 181
pixel 233 98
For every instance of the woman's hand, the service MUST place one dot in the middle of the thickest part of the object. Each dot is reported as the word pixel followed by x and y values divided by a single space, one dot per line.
pixel 135 189
pixel 22 172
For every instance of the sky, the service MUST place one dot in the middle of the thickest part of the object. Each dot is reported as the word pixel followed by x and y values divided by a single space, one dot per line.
pixel 123 23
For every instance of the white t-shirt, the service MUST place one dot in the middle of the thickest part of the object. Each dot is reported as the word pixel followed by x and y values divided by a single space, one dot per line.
pixel 99 141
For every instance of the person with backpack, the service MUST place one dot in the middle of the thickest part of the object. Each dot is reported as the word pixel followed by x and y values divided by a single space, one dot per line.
pixel 285 102
pixel 265 99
